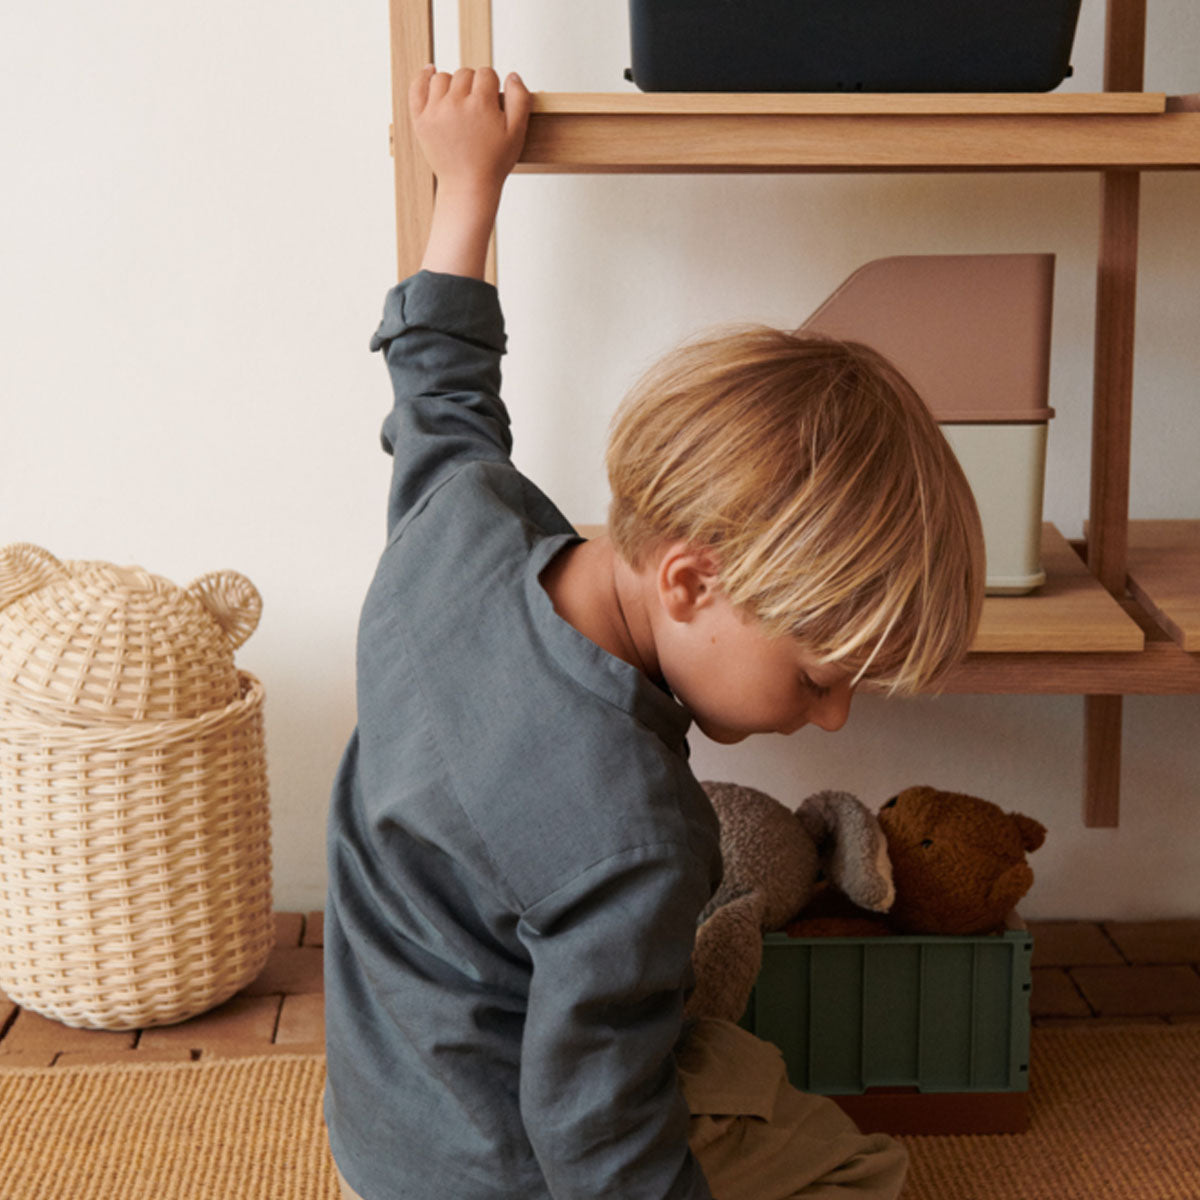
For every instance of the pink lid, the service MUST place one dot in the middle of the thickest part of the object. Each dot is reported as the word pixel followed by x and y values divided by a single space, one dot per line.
pixel 971 332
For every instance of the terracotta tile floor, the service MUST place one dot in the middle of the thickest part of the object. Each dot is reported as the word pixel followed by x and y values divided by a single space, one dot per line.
pixel 1116 970
pixel 1083 971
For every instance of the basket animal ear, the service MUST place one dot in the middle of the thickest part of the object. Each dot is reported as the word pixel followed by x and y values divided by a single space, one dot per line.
pixel 232 600
pixel 23 569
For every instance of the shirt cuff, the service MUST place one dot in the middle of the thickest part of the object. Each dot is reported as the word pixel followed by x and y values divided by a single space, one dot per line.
pixel 454 304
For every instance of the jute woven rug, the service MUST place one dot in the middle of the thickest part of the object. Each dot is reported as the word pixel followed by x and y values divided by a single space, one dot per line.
pixel 1115 1112
pixel 1115 1115
pixel 231 1129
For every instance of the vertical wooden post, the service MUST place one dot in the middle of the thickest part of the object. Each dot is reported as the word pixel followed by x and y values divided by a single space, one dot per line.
pixel 475 50
pixel 412 48
pixel 475 32
pixel 1112 402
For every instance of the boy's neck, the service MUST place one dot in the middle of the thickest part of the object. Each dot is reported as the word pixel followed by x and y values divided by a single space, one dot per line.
pixel 593 589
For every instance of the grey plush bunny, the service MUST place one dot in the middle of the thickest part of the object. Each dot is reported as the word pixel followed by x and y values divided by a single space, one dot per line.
pixel 772 861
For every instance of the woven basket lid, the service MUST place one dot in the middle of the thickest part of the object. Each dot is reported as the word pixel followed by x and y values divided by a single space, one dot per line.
pixel 87 642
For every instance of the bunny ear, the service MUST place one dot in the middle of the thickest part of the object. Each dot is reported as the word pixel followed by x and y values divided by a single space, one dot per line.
pixel 853 847
pixel 1033 833
pixel 232 600
pixel 23 569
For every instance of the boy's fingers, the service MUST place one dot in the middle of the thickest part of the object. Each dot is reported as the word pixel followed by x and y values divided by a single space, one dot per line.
pixel 460 85
pixel 418 91
pixel 517 102
pixel 486 82
pixel 439 85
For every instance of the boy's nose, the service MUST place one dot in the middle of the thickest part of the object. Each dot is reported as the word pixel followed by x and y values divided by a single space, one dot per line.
pixel 832 711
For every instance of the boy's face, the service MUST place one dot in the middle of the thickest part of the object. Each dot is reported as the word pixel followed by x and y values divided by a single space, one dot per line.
pixel 735 680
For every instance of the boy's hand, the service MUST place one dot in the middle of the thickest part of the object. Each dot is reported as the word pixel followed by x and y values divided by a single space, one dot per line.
pixel 470 136
pixel 472 139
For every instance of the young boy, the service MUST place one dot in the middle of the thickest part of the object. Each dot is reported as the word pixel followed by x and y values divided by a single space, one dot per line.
pixel 518 850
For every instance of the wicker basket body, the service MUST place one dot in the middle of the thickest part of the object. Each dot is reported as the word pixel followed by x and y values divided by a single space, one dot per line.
pixel 135 870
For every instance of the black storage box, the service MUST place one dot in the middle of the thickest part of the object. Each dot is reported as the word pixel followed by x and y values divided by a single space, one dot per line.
pixel 851 45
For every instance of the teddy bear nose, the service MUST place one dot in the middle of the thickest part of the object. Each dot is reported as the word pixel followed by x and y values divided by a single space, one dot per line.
pixel 892 802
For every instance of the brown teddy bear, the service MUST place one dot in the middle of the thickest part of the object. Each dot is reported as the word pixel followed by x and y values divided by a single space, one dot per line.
pixel 773 859
pixel 958 863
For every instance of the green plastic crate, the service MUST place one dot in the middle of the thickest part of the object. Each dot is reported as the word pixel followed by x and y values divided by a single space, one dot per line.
pixel 938 1014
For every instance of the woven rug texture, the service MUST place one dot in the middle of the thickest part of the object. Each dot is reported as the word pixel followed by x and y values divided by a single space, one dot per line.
pixel 1115 1116
pixel 232 1129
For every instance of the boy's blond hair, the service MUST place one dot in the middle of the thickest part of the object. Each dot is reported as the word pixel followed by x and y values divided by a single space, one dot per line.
pixel 835 508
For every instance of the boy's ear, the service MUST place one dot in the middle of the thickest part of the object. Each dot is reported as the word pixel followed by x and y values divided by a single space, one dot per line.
pixel 686 580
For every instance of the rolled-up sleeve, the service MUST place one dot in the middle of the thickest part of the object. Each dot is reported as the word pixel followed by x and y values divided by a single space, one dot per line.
pixel 600 1095
pixel 442 337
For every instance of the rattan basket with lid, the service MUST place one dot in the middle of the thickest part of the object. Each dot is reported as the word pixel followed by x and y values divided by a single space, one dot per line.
pixel 135 873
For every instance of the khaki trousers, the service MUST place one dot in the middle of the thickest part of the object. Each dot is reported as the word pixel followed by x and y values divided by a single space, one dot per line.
pixel 757 1138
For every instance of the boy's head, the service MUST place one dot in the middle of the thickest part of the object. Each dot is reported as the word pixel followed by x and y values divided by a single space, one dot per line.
pixel 833 507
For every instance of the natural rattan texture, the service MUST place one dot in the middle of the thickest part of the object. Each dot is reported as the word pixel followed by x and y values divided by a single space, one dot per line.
pixel 135 865
pixel 135 874
pixel 97 642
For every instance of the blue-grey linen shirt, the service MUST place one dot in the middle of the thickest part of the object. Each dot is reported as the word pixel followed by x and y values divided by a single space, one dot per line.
pixel 518 850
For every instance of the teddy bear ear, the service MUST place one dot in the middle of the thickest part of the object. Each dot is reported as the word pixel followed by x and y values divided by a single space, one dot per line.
pixel 1033 833
pixel 232 600
pixel 23 569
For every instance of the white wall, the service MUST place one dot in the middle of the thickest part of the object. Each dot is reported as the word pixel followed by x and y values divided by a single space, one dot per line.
pixel 197 234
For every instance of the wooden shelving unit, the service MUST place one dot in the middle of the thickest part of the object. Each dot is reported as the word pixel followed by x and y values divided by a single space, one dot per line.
pixel 808 133
pixel 1120 614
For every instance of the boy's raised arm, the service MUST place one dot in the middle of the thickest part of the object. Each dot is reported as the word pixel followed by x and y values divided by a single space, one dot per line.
pixel 471 135
pixel 442 332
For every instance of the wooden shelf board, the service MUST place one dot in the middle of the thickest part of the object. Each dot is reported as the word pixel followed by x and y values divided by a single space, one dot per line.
pixel 856 103
pixel 620 132
pixel 1070 613
pixel 1164 576
pixel 1161 669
